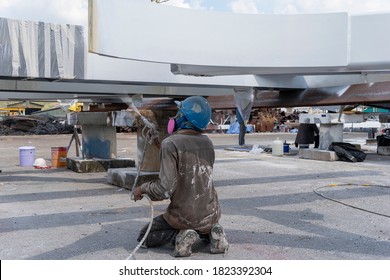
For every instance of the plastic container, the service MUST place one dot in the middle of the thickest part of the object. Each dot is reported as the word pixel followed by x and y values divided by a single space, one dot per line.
pixel 286 147
pixel 58 156
pixel 26 156
pixel 277 147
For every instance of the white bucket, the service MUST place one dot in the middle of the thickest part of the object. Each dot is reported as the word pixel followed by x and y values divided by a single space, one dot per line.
pixel 26 156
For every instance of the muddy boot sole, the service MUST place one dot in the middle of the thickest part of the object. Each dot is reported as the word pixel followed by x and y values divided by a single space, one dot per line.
pixel 219 243
pixel 184 241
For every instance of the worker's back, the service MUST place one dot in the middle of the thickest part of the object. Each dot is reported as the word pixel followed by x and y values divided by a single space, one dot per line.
pixel 194 201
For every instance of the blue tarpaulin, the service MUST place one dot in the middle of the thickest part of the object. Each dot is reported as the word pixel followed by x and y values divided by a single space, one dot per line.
pixel 235 128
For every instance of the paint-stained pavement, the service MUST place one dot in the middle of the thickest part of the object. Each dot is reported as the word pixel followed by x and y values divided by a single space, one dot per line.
pixel 270 208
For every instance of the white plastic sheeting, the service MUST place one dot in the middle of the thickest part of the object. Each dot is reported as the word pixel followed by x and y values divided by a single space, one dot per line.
pixel 41 50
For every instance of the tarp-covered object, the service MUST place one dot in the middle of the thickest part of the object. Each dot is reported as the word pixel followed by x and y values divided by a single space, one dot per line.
pixel 383 140
pixel 40 124
pixel 347 152
pixel 41 50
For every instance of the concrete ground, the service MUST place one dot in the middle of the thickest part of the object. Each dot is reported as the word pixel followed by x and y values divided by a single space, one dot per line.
pixel 270 210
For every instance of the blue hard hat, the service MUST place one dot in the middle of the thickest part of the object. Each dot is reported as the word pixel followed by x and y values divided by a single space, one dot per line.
pixel 197 111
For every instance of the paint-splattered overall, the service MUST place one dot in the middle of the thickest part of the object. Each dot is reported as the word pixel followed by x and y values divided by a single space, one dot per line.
pixel 187 159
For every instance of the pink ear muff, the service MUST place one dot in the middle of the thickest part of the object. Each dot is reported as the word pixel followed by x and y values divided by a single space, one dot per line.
pixel 171 125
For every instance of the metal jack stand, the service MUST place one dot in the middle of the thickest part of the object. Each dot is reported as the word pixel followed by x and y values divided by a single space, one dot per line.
pixel 76 139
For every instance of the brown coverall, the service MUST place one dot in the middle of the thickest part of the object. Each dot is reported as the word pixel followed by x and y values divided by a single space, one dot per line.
pixel 187 159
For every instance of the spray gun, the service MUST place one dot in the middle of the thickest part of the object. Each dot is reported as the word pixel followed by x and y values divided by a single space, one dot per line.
pixel 145 120
pixel 151 135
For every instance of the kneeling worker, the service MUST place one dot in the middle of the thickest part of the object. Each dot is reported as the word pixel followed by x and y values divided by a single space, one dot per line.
pixel 187 159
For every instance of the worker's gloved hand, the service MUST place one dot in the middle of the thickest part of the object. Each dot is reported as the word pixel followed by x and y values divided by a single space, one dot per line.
pixel 137 194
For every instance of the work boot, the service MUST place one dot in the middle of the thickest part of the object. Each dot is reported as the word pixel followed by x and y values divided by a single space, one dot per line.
pixel 184 240
pixel 218 241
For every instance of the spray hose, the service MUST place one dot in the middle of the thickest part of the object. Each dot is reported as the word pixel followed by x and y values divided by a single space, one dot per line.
pixel 150 133
pixel 131 256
